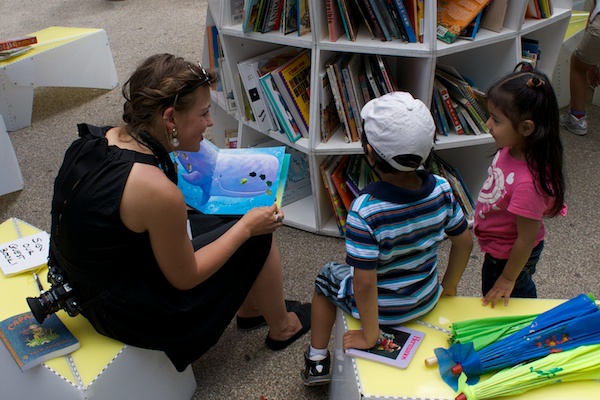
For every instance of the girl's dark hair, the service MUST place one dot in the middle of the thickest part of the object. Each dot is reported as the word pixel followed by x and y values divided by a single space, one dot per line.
pixel 528 95
pixel 159 82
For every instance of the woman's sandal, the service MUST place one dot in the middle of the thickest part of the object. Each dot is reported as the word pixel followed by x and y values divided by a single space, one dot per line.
pixel 303 313
pixel 246 324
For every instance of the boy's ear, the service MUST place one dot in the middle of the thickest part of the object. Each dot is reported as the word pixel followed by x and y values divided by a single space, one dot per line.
pixel 526 127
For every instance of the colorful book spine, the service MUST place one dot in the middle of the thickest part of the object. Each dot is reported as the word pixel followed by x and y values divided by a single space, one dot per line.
pixel 404 17
pixel 451 112
pixel 17 42
pixel 334 20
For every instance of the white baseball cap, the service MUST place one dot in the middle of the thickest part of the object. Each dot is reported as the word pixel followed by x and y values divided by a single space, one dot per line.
pixel 396 124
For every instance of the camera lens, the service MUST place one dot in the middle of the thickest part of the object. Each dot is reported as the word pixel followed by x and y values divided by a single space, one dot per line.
pixel 37 308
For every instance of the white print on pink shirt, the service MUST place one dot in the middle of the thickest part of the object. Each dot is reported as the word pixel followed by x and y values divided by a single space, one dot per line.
pixel 493 188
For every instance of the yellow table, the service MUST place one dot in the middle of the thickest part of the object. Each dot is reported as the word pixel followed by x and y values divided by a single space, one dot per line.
pixel 364 379
pixel 103 368
pixel 63 57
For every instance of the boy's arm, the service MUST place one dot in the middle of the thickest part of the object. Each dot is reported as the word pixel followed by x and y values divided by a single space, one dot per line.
pixel 527 230
pixel 457 261
pixel 365 294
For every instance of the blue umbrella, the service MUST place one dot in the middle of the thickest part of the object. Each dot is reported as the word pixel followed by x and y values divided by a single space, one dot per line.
pixel 573 323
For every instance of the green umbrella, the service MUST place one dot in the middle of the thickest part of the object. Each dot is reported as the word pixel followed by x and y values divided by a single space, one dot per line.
pixel 580 363
pixel 485 331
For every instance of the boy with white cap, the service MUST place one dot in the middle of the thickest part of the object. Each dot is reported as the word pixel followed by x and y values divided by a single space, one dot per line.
pixel 393 230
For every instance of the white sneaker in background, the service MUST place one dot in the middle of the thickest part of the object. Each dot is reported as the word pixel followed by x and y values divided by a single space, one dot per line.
pixel 573 124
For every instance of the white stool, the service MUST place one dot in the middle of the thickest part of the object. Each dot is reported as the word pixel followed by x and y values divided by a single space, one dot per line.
pixel 63 57
pixel 11 178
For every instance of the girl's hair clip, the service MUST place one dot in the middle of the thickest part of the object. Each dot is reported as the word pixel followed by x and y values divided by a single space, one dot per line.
pixel 535 82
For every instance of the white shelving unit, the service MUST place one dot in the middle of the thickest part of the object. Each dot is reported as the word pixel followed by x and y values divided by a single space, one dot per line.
pixel 490 56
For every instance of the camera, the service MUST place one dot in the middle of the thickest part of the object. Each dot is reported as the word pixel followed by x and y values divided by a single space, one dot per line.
pixel 59 296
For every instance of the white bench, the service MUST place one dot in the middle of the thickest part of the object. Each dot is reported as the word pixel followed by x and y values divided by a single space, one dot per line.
pixel 63 57
pixel 103 368
pixel 11 178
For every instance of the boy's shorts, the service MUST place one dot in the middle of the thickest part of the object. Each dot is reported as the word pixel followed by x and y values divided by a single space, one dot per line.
pixel 335 283
pixel 588 50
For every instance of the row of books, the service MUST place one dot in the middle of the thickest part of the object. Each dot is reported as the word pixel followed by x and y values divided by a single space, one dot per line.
pixel 344 176
pixel 285 16
pixel 14 47
pixel 457 105
pixel 355 79
pixel 462 19
pixel 539 9
pixel 277 87
pixel 384 19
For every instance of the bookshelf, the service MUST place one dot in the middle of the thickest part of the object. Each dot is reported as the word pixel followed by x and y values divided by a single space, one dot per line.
pixel 484 60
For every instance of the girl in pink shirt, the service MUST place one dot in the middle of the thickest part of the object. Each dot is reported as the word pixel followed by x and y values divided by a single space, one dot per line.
pixel 525 184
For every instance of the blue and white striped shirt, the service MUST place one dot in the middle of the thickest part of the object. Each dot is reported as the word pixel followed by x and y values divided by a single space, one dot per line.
pixel 398 231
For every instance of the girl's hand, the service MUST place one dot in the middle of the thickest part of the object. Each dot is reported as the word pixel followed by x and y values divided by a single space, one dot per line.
pixel 502 288
pixel 356 340
pixel 263 220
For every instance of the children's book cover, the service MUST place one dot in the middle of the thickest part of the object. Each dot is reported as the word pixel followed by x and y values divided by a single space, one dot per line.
pixel 31 343
pixel 232 181
pixel 396 347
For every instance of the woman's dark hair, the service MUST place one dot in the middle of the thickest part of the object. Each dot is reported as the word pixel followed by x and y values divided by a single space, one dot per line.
pixel 528 95
pixel 161 81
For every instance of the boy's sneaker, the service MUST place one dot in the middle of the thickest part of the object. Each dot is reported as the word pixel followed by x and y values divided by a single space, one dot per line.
pixel 316 372
pixel 573 124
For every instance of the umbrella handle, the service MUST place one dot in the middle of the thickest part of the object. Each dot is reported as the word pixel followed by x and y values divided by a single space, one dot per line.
pixel 457 369
pixel 431 362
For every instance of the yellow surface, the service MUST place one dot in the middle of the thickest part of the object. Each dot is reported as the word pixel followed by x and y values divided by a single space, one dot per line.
pixel 49 38
pixel 96 351
pixel 577 23
pixel 419 381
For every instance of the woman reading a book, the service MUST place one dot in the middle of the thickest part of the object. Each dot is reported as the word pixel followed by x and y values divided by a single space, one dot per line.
pixel 121 229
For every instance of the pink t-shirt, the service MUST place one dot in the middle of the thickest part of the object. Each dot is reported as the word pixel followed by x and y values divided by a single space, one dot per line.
pixel 508 191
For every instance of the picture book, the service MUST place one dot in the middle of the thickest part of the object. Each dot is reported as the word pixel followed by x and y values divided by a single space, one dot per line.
pixel 335 90
pixel 293 81
pixel 303 17
pixel 298 184
pixel 330 120
pixel 232 181
pixel 289 22
pixel 326 169
pixel 31 343
pixel 250 15
pixel 6 54
pixel 396 347
pixel 24 254
pixel 455 15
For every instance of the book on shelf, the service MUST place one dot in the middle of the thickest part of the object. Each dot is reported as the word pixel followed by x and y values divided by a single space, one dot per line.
pixel 369 19
pixel 334 20
pixel 373 82
pixel 298 184
pixel 381 17
pixel 448 109
pixel 338 65
pixel 493 18
pixel 395 21
pixel 530 51
pixel 396 347
pixel 23 254
pixel 412 9
pixel 214 54
pixel 470 32
pixel 359 174
pixel 457 82
pixel 349 20
pixel 14 43
pixel 388 78
pixel 289 22
pixel 356 102
pixel 293 81
pixel 339 177
pixel 335 90
pixel 442 168
pixel 469 124
pixel 227 84
pixel 330 120
pixel 250 15
pixel 236 9
pixel 340 213
pixel 232 181
pixel 275 100
pixel 439 113
pixel 249 74
pixel 453 16
pixel 303 17
pixel 31 343
pixel 263 6
pixel 406 21
pixel 272 15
